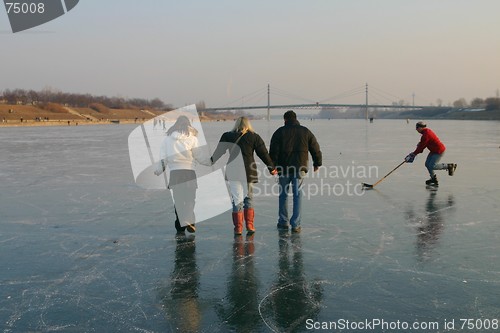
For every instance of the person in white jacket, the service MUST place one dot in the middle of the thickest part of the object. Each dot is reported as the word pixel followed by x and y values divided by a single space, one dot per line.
pixel 180 151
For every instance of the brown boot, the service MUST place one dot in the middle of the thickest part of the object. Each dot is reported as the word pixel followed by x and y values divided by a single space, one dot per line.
pixel 238 222
pixel 249 217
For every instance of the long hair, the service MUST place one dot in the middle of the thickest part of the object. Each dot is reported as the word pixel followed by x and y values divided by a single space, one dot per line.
pixel 242 125
pixel 182 125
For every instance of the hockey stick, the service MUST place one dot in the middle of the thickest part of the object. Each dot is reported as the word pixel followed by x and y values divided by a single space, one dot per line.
pixel 368 186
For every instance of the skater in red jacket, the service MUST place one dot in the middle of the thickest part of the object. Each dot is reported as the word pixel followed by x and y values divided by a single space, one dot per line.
pixel 436 148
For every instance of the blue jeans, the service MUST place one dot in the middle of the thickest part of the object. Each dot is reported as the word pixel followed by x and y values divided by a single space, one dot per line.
pixel 285 182
pixel 241 198
pixel 431 161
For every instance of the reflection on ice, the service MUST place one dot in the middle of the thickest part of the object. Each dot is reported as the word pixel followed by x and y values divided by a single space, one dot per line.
pixel 180 296
pixel 429 225
pixel 239 308
pixel 293 298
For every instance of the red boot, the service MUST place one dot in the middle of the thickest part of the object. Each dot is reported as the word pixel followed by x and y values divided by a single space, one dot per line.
pixel 238 222
pixel 239 246
pixel 249 217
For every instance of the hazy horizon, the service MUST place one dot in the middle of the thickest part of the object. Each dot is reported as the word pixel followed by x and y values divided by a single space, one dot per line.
pixel 223 51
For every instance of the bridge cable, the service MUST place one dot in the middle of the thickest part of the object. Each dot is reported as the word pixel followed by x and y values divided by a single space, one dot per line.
pixel 262 90
pixel 348 93
pixel 282 93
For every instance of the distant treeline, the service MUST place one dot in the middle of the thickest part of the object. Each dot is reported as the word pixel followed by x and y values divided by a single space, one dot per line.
pixel 488 104
pixel 21 96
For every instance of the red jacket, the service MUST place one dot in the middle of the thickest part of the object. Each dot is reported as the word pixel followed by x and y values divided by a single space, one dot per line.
pixel 431 141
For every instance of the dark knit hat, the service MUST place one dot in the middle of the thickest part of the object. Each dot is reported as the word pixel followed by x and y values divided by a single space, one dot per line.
pixel 421 124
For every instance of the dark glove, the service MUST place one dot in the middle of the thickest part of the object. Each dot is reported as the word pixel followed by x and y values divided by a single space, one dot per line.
pixel 410 158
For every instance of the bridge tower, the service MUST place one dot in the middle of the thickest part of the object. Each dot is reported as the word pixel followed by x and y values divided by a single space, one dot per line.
pixel 268 102
pixel 366 101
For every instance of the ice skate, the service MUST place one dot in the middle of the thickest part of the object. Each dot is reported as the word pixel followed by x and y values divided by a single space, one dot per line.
pixel 451 168
pixel 432 181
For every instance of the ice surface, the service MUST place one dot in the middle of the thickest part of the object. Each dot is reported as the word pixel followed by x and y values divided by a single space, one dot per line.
pixel 84 249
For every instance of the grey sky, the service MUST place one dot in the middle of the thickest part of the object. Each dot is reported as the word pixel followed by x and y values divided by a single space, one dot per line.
pixel 219 51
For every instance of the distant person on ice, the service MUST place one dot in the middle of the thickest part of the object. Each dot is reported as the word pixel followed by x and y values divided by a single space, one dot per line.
pixel 289 149
pixel 436 148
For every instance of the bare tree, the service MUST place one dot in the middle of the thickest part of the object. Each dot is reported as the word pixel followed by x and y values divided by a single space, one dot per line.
pixel 460 103
pixel 200 106
pixel 492 103
pixel 51 95
pixel 477 103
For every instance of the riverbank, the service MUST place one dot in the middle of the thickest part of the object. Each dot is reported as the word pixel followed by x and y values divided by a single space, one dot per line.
pixel 66 122
pixel 53 114
pixel 59 115
pixel 31 123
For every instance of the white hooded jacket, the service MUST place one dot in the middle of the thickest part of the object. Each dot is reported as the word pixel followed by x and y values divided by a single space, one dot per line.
pixel 181 152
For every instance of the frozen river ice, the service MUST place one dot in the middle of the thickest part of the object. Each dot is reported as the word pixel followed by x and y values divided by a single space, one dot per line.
pixel 84 249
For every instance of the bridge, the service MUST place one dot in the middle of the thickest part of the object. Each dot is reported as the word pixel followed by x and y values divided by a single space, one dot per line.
pixel 309 104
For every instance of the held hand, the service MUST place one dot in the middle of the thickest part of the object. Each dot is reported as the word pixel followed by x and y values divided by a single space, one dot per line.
pixel 410 158
pixel 274 172
pixel 160 167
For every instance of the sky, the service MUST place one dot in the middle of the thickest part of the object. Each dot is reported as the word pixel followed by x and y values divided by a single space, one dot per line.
pixel 221 52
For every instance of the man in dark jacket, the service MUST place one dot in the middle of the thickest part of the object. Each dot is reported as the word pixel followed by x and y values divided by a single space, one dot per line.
pixel 289 150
